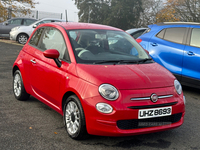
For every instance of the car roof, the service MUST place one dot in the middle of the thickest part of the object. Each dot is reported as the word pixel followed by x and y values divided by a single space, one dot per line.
pixel 23 18
pixel 78 25
pixel 177 23
pixel 46 19
pixel 50 19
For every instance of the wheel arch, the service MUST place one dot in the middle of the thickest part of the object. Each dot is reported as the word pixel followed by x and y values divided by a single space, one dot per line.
pixel 22 33
pixel 68 94
pixel 19 66
pixel 14 69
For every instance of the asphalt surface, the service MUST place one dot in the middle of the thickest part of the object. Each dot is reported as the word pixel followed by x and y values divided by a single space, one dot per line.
pixel 33 125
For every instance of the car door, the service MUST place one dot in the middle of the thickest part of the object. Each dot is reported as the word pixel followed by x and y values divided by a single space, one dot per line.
pixel 191 61
pixel 45 76
pixel 11 24
pixel 167 47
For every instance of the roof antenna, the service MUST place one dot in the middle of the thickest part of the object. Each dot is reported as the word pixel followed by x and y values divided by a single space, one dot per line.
pixel 66 15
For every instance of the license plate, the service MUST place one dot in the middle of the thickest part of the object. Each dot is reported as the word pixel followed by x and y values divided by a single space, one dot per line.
pixel 154 112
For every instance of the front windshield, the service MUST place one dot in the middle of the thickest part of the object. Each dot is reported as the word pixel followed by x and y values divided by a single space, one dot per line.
pixel 106 46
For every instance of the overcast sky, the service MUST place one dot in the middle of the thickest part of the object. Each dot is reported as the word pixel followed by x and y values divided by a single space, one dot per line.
pixel 59 6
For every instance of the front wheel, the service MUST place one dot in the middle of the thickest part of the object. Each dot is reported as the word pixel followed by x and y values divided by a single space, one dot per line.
pixel 18 87
pixel 74 119
pixel 22 38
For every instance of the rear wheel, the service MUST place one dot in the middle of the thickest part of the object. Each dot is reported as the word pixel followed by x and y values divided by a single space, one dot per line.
pixel 18 87
pixel 22 38
pixel 74 118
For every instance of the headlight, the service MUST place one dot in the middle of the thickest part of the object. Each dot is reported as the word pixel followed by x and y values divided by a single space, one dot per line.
pixel 108 92
pixel 178 86
pixel 15 28
pixel 104 108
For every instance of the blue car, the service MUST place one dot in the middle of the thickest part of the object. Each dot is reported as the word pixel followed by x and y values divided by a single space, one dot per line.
pixel 176 46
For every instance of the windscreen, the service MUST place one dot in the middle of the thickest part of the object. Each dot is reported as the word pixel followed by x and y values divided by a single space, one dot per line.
pixel 105 46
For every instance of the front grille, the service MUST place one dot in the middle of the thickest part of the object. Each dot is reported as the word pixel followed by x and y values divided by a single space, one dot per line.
pixel 150 122
pixel 153 106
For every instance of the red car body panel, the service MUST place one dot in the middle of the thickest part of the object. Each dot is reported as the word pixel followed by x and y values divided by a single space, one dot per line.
pixel 49 83
pixel 124 76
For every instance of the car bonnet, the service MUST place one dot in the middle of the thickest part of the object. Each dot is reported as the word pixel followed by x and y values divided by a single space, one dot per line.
pixel 135 76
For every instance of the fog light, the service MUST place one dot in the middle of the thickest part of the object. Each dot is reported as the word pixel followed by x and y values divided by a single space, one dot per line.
pixel 104 108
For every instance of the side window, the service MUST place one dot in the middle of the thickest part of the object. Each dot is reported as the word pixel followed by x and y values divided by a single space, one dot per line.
pixel 195 38
pixel 36 37
pixel 175 35
pixel 28 21
pixel 53 39
pixel 41 22
pixel 15 21
pixel 161 34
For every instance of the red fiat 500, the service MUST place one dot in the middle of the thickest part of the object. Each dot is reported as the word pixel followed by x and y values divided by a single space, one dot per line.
pixel 100 79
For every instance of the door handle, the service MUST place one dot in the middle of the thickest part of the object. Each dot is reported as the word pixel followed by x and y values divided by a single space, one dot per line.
pixel 33 61
pixel 154 44
pixel 190 53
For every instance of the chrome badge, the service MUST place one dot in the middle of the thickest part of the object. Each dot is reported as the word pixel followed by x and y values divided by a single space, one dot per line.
pixel 154 97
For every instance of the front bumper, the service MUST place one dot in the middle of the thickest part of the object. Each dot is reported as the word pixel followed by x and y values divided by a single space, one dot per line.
pixel 13 35
pixel 123 121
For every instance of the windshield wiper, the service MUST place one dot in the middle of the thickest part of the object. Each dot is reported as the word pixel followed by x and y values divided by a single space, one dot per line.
pixel 122 61
pixel 144 60
pixel 115 61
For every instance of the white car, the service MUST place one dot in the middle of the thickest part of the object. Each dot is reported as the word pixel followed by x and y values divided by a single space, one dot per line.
pixel 22 33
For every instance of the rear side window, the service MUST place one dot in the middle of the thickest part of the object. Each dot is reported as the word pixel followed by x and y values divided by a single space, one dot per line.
pixel 161 34
pixel 195 38
pixel 175 35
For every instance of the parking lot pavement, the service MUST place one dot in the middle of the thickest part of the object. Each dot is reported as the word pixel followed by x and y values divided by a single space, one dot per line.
pixel 33 125
pixel 6 40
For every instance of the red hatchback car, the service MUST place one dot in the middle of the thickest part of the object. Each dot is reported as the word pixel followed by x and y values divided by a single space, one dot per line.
pixel 100 79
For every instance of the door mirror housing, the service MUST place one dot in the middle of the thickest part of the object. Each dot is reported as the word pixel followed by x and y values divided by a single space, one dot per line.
pixel 5 23
pixel 53 54
pixel 34 26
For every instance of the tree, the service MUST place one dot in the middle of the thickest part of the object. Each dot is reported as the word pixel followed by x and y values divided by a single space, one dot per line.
pixel 168 14
pixel 151 8
pixel 122 14
pixel 94 11
pixel 15 6
pixel 181 10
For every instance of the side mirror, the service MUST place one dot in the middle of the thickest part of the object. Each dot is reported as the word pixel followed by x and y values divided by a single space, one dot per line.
pixel 34 26
pixel 53 54
pixel 5 23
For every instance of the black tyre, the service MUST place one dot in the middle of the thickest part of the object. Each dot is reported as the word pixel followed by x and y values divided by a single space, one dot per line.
pixel 18 87
pixel 22 38
pixel 74 119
